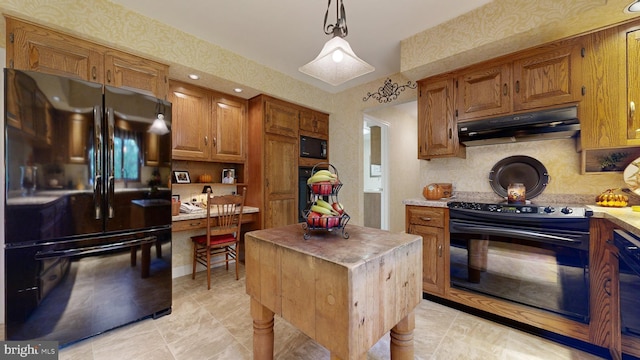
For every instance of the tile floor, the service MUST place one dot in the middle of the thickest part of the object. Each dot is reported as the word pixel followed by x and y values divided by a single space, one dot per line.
pixel 216 324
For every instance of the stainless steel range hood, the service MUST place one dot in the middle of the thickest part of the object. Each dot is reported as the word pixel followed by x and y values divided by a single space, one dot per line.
pixel 545 124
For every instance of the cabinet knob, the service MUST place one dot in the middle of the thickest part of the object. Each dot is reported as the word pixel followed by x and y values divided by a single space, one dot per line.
pixel 518 87
pixel 109 76
pixel 206 140
pixel 424 218
pixel 505 89
pixel 94 72
pixel 632 109
pixel 440 250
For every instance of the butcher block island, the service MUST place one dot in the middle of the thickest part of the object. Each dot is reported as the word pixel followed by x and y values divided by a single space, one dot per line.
pixel 343 293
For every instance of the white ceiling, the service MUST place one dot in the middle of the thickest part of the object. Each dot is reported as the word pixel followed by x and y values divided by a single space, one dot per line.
pixel 286 34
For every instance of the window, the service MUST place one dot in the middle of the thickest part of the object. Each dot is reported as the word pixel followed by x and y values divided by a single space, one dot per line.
pixel 126 155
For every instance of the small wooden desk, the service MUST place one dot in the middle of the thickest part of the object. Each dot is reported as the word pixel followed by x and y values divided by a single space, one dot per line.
pixel 343 293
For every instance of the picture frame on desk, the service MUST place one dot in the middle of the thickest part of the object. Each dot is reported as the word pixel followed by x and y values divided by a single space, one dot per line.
pixel 181 177
pixel 228 176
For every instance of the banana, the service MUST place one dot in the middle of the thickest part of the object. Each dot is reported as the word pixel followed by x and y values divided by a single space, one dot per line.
pixel 324 204
pixel 318 178
pixel 326 172
pixel 320 210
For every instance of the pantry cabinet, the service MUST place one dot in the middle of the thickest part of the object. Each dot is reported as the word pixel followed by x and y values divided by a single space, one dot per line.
pixel 433 225
pixel 273 161
pixel 37 48
pixel 207 125
pixel 437 131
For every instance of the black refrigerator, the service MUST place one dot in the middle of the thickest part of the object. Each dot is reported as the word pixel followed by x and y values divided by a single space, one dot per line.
pixel 87 207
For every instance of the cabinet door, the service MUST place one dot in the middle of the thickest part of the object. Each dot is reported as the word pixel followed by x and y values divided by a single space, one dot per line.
pixel 281 119
pixel 125 70
pixel 151 149
pixel 78 134
pixel 314 123
pixel 281 181
pixel 548 78
pixel 437 134
pixel 433 256
pixel 31 47
pixel 191 114
pixel 633 90
pixel 484 92
pixel 230 123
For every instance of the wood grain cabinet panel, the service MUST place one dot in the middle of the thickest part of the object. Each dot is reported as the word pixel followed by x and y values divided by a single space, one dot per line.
pixel 484 92
pixel 124 70
pixel 191 114
pixel 437 131
pixel 207 125
pixel 431 224
pixel 35 48
pixel 552 76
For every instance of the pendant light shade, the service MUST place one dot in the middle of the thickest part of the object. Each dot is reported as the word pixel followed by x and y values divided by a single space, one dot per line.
pixel 336 63
pixel 159 127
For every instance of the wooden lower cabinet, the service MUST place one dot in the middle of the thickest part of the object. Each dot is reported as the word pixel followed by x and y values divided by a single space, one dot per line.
pixel 432 223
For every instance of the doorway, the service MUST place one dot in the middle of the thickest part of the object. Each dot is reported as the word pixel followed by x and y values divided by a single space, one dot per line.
pixel 376 183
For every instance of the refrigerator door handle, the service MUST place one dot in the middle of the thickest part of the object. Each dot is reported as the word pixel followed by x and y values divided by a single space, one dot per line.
pixel 110 163
pixel 97 157
pixel 44 255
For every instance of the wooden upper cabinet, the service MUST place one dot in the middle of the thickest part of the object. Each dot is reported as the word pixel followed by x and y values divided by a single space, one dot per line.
pixel 207 125
pixel 191 118
pixel 633 84
pixel 437 132
pixel 281 118
pixel 34 48
pixel 484 91
pixel 315 124
pixel 550 76
pixel 230 124
pixel 125 70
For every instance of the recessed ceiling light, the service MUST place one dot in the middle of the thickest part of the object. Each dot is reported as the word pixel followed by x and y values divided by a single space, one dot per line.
pixel 238 90
pixel 194 77
pixel 633 7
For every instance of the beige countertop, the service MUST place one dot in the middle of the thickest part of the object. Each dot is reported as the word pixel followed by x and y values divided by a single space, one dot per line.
pixel 202 214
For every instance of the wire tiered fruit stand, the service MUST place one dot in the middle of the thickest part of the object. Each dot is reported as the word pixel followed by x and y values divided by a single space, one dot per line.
pixel 324 212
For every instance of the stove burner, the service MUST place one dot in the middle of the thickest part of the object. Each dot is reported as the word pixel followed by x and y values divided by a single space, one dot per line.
pixel 525 210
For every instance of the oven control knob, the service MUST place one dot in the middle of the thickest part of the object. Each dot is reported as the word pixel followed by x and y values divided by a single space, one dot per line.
pixel 566 210
pixel 549 210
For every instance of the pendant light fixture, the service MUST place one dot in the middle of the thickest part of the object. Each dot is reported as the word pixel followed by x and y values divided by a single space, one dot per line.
pixel 336 63
pixel 634 7
pixel 159 126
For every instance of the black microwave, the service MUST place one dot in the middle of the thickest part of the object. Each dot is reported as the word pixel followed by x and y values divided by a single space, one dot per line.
pixel 313 147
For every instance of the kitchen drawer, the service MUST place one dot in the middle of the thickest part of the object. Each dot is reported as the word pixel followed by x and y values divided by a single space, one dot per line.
pixel 427 216
pixel 183 225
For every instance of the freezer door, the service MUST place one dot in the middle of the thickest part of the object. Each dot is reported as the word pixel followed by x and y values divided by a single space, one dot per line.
pixel 68 291
pixel 137 161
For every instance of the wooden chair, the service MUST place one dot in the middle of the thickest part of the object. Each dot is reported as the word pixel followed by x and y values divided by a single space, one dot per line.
pixel 224 218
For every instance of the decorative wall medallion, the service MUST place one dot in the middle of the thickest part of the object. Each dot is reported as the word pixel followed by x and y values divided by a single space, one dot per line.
pixel 389 91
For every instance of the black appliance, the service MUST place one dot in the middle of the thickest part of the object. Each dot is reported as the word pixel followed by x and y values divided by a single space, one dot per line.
pixel 87 207
pixel 528 254
pixel 561 123
pixel 628 246
pixel 304 193
pixel 313 147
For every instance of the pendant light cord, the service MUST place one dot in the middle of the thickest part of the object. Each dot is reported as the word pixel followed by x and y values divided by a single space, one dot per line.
pixel 340 27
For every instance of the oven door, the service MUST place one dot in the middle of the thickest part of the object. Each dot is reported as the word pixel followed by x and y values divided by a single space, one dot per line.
pixel 628 246
pixel 527 263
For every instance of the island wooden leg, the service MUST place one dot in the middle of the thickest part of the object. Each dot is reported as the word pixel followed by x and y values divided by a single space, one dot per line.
pixel 402 338
pixel 262 331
